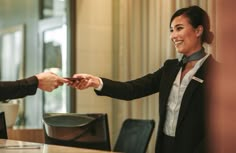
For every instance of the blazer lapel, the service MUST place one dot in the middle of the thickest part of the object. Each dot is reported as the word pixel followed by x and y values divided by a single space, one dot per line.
pixel 197 80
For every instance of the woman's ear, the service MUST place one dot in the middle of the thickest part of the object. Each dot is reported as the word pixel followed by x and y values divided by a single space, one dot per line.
pixel 199 30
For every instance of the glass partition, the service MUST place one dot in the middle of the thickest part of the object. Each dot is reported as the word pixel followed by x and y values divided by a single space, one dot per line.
pixel 56 48
pixel 55 60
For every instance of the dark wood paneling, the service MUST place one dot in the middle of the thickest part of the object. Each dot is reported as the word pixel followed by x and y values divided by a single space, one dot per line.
pixel 30 135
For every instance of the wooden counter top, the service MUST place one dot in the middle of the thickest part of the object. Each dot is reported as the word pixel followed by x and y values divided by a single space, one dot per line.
pixel 14 146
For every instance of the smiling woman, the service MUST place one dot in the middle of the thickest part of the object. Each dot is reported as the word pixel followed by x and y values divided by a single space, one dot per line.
pixel 190 30
pixel 182 97
pixel 185 38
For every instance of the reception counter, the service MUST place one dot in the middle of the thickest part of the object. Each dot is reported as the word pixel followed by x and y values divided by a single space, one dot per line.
pixel 14 146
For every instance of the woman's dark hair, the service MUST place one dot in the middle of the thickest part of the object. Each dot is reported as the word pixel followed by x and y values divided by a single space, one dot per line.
pixel 197 16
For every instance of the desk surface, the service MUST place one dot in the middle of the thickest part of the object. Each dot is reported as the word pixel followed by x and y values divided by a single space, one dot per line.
pixel 14 146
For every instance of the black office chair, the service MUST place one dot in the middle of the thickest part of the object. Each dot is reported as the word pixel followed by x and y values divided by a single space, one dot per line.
pixel 77 130
pixel 134 136
pixel 3 126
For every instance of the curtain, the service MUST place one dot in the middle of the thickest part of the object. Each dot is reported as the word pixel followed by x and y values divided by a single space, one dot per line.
pixel 141 44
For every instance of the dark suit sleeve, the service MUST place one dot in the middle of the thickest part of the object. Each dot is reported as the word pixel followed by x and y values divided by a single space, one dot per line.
pixel 18 89
pixel 144 86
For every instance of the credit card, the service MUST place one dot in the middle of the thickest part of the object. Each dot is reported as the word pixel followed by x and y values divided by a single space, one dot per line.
pixel 73 79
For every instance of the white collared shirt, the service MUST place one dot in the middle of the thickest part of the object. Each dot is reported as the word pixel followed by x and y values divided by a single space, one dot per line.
pixel 175 97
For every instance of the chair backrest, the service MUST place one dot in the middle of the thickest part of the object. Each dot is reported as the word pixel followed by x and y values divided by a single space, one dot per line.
pixel 134 136
pixel 77 130
pixel 3 126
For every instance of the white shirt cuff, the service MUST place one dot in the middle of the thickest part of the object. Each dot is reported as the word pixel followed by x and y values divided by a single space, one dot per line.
pixel 99 88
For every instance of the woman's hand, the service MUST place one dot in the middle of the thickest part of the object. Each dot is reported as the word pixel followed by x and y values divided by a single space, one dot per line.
pixel 85 81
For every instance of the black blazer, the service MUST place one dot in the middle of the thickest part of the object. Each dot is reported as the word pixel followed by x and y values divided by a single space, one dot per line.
pixel 190 131
pixel 18 89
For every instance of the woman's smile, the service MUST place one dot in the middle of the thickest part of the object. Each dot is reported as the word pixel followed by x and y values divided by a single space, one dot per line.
pixel 184 36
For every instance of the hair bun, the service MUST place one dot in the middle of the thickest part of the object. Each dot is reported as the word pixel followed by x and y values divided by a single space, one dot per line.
pixel 209 37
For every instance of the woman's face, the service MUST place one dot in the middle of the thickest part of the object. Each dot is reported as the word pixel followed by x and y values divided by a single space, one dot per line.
pixel 186 39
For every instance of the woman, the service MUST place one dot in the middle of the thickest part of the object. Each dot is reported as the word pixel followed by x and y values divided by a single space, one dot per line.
pixel 181 85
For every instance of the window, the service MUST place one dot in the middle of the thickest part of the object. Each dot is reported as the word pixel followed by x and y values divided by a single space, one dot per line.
pixel 55 46
pixel 55 50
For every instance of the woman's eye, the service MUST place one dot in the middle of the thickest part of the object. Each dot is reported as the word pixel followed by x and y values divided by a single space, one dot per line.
pixel 171 30
pixel 179 28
